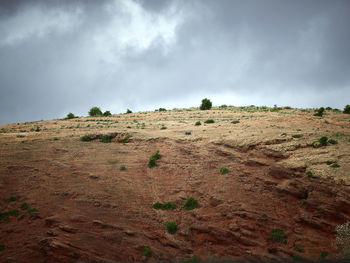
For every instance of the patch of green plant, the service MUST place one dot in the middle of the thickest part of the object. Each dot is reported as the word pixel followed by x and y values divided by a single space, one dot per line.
pixel 152 160
pixel 223 214
pixel 190 204
pixel 329 162
pixel 326 122
pixel 297 257
pixel 284 134
pixel 24 206
pixel 20 136
pixel 332 141
pixel 70 116
pixel 113 161
pixel 297 135
pixel 309 174
pixel 319 112
pixel 324 254
pixel 85 138
pixel 105 139
pixel 303 202
pixel 209 121
pixel 277 235
pixel 14 212
pixel 146 252
pixel 171 227
pixel 206 104
pixel 224 170
pixel 198 123
pixel 107 113
pixel 347 109
pixel 335 165
pixel 56 138
pixel 323 140
pixel 22 216
pixel 4 216
pixel 164 206
pixel 95 112
pixel 299 249
pixel 163 127
pixel 128 111
pixel 122 168
pixel 162 109
pixel 264 216
pixel 11 198
pixel 37 129
pixel 32 210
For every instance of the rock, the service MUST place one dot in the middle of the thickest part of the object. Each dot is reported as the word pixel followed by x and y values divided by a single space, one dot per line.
pixel 280 172
pixel 52 221
pixel 67 228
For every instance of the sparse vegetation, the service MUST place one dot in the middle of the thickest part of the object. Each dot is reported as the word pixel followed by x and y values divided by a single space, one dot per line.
pixel 198 123
pixel 122 168
pixel 162 109
pixel 128 111
pixel 107 113
pixel 85 138
pixel 171 227
pixel 323 254
pixel 164 206
pixel 209 121
pixel 264 216
pixel 11 198
pixel 297 257
pixel 2 247
pixel 323 140
pixel 332 141
pixel 152 160
pixel 24 206
pixel 163 127
pixel 224 170
pixel 309 174
pixel 190 204
pixel 193 259
pixel 319 112
pixel 70 116
pixel 105 139
pixel 303 202
pixel 14 212
pixel 297 135
pixel 335 165
pixel 277 235
pixel 146 252
pixel 347 109
pixel 95 112
pixel 206 104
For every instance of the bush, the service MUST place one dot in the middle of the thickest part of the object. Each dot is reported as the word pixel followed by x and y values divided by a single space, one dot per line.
pixel 309 174
pixel 264 216
pixel 277 235
pixel 335 165
pixel 107 113
pixel 165 206
pixel 171 226
pixel 85 138
pixel 190 204
pixel 24 206
pixel 105 139
pixel 162 109
pixel 323 140
pixel 95 111
pixel 128 111
pixel 70 116
pixel 163 127
pixel 152 160
pixel 206 104
pixel 122 168
pixel 319 112
pixel 297 135
pixel 303 202
pixel 347 109
pixel 146 252
pixel 224 170
pixel 11 198
pixel 331 141
pixel 197 123
pixel 209 121
pixel 323 254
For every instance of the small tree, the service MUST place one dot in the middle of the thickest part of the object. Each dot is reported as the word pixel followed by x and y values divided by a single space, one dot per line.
pixel 107 113
pixel 95 111
pixel 128 111
pixel 206 104
pixel 347 109
pixel 319 112
pixel 70 116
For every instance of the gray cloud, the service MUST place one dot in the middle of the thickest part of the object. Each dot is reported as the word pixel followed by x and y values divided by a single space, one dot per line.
pixel 61 56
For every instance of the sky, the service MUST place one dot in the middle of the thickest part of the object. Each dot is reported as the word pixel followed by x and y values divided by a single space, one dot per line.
pixel 61 56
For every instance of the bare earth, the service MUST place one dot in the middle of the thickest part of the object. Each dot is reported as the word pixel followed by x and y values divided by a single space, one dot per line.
pixel 88 209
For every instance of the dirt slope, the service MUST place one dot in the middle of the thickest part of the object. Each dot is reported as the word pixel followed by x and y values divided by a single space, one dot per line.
pixel 88 209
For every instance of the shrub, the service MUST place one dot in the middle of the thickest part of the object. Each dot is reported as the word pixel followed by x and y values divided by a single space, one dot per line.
pixel 11 198
pixel 152 160
pixel 122 168
pixel 329 162
pixel 323 254
pixel 297 135
pixel 224 170
pixel 303 202
pixel 235 121
pixel 157 205
pixel 309 174
pixel 95 111
pixel 264 216
pixel 209 121
pixel 347 109
pixel 323 140
pixel 162 109
pixel 198 123
pixel 299 249
pixel 4 216
pixel 146 252
pixel 14 212
pixel 105 139
pixel 319 112
pixel 128 111
pixel 190 204
pixel 206 104
pixel 37 129
pixel 331 141
pixel 223 214
pixel 85 138
pixel 335 165
pixel 70 116
pixel 165 206
pixel 163 127
pixel 107 113
pixel 171 226
pixel 277 235
pixel 24 206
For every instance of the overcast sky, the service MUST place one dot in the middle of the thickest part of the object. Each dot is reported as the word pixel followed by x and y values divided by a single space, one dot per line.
pixel 60 56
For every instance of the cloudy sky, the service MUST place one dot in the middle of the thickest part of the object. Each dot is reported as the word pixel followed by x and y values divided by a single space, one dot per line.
pixel 60 56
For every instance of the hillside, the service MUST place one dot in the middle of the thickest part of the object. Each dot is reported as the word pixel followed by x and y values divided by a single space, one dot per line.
pixel 82 201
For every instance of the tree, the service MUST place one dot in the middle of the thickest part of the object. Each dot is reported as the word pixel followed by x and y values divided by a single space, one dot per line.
pixel 95 111
pixel 70 116
pixel 206 104
pixel 347 109
pixel 107 113
pixel 128 111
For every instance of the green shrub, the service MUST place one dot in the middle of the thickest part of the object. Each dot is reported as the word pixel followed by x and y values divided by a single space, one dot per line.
pixel 223 214
pixel 70 116
pixel 157 205
pixel 56 138
pixel 171 227
pixel 209 121
pixel 24 206
pixel 163 127
pixel 332 141
pixel 122 168
pixel 347 109
pixel 324 254
pixel 162 109
pixel 164 206
pixel 128 111
pixel 152 160
pixel 95 112
pixel 85 138
pixel 323 140
pixel 4 216
pixel 37 129
pixel 32 210
pixel 335 165
pixel 277 235
pixel 14 212
pixel 297 135
pixel 319 112
pixel 11 198
pixel 264 216
pixel 198 123
pixel 146 252
pixel 190 204
pixel 105 139
pixel 309 174
pixel 107 113
pixel 206 104
pixel 329 162
pixel 303 202
pixel 224 170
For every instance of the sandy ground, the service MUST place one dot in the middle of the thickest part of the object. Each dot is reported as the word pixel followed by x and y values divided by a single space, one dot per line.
pixel 88 209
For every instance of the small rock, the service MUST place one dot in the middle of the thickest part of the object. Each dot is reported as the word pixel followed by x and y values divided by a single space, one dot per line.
pixel 68 228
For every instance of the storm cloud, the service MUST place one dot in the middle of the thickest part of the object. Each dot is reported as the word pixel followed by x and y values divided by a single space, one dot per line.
pixel 67 56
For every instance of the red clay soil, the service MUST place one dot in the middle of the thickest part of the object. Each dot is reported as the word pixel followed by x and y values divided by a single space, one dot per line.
pixel 88 209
